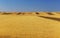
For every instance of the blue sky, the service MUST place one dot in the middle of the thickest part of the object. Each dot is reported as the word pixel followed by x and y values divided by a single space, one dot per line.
pixel 29 5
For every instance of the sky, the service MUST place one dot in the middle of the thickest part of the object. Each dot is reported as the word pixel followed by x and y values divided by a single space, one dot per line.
pixel 30 5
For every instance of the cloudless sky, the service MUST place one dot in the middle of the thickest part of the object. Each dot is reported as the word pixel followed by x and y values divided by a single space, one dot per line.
pixel 29 5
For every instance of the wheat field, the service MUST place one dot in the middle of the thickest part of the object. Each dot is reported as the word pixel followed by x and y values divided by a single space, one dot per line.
pixel 30 25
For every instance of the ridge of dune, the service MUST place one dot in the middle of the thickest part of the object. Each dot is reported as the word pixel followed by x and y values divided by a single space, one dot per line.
pixel 26 13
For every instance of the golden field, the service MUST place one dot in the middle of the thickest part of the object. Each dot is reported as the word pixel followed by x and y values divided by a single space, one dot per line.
pixel 30 25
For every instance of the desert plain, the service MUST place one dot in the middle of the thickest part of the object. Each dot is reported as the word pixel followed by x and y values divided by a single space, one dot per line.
pixel 29 24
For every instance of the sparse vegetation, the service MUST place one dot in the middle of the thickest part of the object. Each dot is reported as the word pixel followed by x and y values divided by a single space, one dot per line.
pixel 19 13
pixel 37 13
pixel 50 13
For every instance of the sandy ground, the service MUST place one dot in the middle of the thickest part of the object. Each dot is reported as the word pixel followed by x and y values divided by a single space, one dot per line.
pixel 30 26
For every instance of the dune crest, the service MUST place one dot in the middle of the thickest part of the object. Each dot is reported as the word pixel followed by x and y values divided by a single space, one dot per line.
pixel 27 13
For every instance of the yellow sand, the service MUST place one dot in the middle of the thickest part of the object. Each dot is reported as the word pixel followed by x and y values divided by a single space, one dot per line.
pixel 28 26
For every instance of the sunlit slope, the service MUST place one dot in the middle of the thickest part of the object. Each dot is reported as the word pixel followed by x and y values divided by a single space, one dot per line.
pixel 28 27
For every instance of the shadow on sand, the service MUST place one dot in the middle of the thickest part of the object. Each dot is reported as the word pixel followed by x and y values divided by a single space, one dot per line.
pixel 52 18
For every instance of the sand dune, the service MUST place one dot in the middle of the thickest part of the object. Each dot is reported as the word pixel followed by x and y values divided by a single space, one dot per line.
pixel 52 18
pixel 29 25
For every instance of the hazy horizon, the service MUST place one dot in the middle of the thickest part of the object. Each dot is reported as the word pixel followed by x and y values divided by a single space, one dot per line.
pixel 30 5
